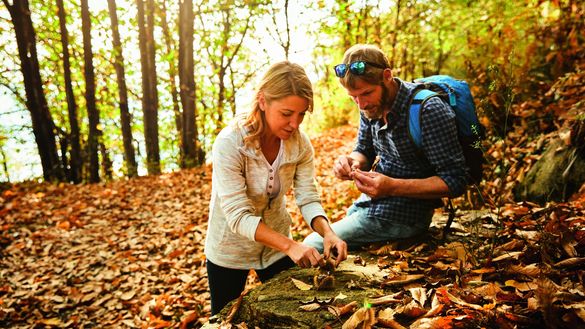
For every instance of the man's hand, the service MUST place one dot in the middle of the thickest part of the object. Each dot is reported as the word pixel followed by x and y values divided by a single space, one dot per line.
pixel 305 256
pixel 331 242
pixel 374 184
pixel 343 167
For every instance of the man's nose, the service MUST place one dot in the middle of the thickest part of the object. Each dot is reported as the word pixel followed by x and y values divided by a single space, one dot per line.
pixel 361 103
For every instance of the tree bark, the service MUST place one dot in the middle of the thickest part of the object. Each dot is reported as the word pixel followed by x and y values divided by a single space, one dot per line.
pixel 4 163
pixel 75 163
pixel 172 75
pixel 191 150
pixel 394 35
pixel 125 118
pixel 106 162
pixel 92 112
pixel 43 125
pixel 150 96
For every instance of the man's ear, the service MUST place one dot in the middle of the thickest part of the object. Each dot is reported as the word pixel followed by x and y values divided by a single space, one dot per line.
pixel 387 75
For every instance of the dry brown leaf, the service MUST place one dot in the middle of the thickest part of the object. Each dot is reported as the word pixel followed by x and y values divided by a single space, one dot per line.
pixel 436 307
pixel 460 301
pixel 489 290
pixel 386 319
pixel 384 250
pixel 402 279
pixel 310 307
pixel 522 286
pixel 388 299
pixel 411 310
pixel 571 262
pixel 188 318
pixel 128 295
pixel 508 255
pixel 531 270
pixel 419 294
pixel 340 311
pixel 301 285
pixel 51 322
pixel 363 317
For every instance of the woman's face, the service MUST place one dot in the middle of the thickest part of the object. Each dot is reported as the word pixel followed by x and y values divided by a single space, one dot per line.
pixel 284 115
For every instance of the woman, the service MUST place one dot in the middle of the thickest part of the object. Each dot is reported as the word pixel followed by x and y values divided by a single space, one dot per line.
pixel 256 160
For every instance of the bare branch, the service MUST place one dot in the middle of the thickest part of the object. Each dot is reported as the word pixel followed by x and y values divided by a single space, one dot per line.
pixel 15 92
pixel 240 43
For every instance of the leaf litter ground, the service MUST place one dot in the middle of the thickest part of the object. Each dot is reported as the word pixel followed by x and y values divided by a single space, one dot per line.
pixel 130 254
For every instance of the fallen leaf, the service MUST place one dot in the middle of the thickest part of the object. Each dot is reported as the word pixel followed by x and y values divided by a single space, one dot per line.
pixel 363 317
pixel 301 285
pixel 310 307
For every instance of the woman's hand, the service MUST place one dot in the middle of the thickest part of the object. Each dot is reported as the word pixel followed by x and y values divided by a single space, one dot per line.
pixel 332 243
pixel 304 256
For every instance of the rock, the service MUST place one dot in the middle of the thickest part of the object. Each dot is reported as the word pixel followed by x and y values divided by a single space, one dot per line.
pixel 555 177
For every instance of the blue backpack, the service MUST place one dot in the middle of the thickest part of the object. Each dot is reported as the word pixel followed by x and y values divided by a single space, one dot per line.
pixel 470 131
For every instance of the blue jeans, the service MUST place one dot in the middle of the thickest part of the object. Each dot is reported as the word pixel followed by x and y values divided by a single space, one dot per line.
pixel 358 229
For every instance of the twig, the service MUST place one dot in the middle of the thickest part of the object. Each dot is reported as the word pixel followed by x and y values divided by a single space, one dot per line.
pixel 234 309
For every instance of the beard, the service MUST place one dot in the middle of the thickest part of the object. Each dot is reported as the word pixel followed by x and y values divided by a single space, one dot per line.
pixel 374 112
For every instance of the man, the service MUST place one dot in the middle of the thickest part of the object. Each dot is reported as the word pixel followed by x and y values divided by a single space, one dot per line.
pixel 401 184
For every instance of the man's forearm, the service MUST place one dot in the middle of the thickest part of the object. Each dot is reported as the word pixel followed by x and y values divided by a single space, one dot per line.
pixel 423 188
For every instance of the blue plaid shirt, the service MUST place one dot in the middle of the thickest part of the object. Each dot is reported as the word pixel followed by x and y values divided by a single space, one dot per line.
pixel 440 155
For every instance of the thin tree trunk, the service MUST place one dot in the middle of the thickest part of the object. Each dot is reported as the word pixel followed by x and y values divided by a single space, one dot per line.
pixel 394 34
pixel 125 118
pixel 172 74
pixel 5 164
pixel 92 112
pixel 75 164
pixel 192 152
pixel 43 125
pixel 150 96
pixel 106 162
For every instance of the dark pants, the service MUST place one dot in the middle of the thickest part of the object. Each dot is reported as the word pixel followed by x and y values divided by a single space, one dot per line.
pixel 226 284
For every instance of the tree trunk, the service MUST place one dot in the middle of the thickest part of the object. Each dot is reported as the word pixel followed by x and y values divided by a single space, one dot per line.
pixel 172 75
pixel 192 153
pixel 150 96
pixel 125 118
pixel 4 164
pixel 75 165
pixel 92 112
pixel 106 162
pixel 43 125
pixel 394 35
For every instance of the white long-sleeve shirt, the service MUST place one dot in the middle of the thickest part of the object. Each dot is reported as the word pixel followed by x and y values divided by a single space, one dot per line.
pixel 239 199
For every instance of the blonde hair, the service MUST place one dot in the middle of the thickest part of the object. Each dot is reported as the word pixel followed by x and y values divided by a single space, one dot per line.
pixel 367 53
pixel 282 79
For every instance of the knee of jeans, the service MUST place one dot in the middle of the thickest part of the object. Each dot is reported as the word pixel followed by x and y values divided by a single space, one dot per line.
pixel 314 240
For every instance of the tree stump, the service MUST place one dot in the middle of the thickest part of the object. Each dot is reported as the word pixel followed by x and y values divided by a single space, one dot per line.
pixel 276 303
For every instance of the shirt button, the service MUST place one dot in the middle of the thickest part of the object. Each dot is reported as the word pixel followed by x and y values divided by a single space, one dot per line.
pixel 269 186
pixel 271 170
pixel 271 178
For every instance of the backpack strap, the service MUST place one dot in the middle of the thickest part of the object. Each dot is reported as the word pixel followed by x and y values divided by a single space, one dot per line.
pixel 414 114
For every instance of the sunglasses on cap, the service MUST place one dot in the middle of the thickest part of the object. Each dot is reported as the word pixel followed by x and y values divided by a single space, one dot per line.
pixel 357 68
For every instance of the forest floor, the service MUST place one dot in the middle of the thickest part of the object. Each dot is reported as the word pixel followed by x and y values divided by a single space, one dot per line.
pixel 129 253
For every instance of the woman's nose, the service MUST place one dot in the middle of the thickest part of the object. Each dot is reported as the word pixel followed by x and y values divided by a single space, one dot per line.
pixel 295 121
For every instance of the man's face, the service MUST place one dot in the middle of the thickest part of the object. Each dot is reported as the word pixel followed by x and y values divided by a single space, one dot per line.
pixel 372 100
